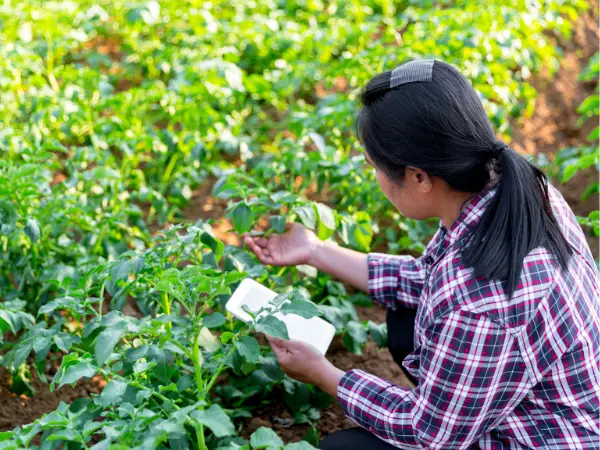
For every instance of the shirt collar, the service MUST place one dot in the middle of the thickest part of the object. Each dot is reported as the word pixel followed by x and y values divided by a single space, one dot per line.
pixel 469 217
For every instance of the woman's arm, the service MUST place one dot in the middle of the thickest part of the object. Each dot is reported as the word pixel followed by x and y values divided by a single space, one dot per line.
pixel 472 375
pixel 390 280
pixel 301 246
pixel 346 265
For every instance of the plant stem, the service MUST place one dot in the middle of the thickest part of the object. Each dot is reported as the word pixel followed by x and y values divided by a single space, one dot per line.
pixel 101 300
pixel 199 387
pixel 219 370
pixel 138 385
pixel 166 307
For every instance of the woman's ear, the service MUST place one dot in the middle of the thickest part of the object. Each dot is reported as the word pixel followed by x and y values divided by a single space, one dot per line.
pixel 418 179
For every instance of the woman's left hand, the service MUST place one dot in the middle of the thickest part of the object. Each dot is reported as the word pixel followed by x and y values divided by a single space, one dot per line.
pixel 304 363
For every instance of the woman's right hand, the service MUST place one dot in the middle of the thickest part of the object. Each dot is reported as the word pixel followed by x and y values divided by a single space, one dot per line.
pixel 294 247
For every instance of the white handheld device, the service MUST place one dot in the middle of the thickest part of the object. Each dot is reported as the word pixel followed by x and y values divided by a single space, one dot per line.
pixel 254 296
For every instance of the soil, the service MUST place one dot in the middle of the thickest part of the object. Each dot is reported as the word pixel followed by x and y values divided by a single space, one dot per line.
pixel 204 205
pixel 552 127
pixel 16 410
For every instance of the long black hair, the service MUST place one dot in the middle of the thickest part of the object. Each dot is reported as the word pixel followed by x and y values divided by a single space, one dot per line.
pixel 442 128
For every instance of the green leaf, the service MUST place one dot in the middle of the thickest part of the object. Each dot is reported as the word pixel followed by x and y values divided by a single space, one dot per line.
pixel 8 217
pixel 106 342
pixel 355 337
pixel 264 438
pixel 214 244
pixel 163 359
pixel 307 216
pixel 65 435
pixel 5 435
pixel 207 340
pixel 178 441
pixel 32 230
pixel 569 172
pixel 215 320
pixel 272 326
pixel 242 218
pixel 248 348
pixel 171 283
pixel 593 136
pixel 301 308
pixel 280 299
pixel 216 420
pixel 278 223
pixel 112 393
pixel 120 270
pixel 302 445
pixel 73 373
pixel 226 337
pixel 590 105
pixel 326 226
pixel 25 170
pixel 378 332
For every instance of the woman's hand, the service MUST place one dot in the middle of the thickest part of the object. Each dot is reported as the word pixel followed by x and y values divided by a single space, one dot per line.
pixel 304 363
pixel 295 246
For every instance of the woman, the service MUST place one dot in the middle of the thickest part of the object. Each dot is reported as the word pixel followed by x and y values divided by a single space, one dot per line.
pixel 506 349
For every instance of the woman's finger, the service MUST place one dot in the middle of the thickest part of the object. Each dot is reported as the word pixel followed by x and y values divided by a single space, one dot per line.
pixel 261 241
pixel 255 248
pixel 277 350
pixel 249 241
pixel 274 340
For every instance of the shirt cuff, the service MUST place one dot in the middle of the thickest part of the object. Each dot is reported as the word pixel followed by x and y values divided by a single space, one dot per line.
pixel 356 393
pixel 385 285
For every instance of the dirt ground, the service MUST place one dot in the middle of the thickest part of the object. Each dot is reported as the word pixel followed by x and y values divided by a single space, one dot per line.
pixel 554 123
pixel 553 126
pixel 18 410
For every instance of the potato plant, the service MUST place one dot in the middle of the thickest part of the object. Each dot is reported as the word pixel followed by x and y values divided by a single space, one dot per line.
pixel 569 161
pixel 115 116
pixel 159 370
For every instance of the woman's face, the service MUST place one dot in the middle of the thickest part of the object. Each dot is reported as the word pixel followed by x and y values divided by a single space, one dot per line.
pixel 412 196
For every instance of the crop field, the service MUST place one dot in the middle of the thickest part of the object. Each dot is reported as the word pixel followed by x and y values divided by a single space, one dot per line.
pixel 140 139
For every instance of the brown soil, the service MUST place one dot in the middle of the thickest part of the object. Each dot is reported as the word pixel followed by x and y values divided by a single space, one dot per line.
pixel 16 410
pixel 204 206
pixel 554 124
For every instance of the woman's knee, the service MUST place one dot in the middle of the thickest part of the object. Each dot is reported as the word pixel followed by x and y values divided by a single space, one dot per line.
pixel 400 327
pixel 353 439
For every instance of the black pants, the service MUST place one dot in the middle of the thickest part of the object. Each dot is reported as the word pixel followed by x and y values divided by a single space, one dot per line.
pixel 401 326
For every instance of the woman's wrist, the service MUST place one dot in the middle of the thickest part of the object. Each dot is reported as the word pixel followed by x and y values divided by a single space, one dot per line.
pixel 328 378
pixel 318 253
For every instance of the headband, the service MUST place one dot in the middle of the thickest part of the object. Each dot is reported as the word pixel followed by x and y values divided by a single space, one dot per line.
pixel 420 70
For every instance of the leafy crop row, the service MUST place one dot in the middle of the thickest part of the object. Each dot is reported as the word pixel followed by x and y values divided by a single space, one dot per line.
pixel 113 114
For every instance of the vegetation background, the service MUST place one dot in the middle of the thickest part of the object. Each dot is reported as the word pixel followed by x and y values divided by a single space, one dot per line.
pixel 139 138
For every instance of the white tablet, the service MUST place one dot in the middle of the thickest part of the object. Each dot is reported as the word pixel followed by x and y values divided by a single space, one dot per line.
pixel 254 296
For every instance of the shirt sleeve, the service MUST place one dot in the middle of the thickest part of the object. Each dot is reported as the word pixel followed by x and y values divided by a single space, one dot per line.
pixel 471 377
pixel 395 279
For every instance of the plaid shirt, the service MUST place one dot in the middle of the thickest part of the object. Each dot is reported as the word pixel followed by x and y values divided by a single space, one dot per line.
pixel 493 373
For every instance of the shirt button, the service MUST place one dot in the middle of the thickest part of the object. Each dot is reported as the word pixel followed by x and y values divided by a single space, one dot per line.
pixel 429 260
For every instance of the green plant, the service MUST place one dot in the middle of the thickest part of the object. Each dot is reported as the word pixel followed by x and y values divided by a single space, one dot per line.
pixel 115 115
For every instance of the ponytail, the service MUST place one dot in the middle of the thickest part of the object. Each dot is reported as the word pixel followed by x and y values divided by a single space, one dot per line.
pixel 517 220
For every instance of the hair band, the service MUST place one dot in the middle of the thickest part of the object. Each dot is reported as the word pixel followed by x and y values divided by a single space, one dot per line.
pixel 420 70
